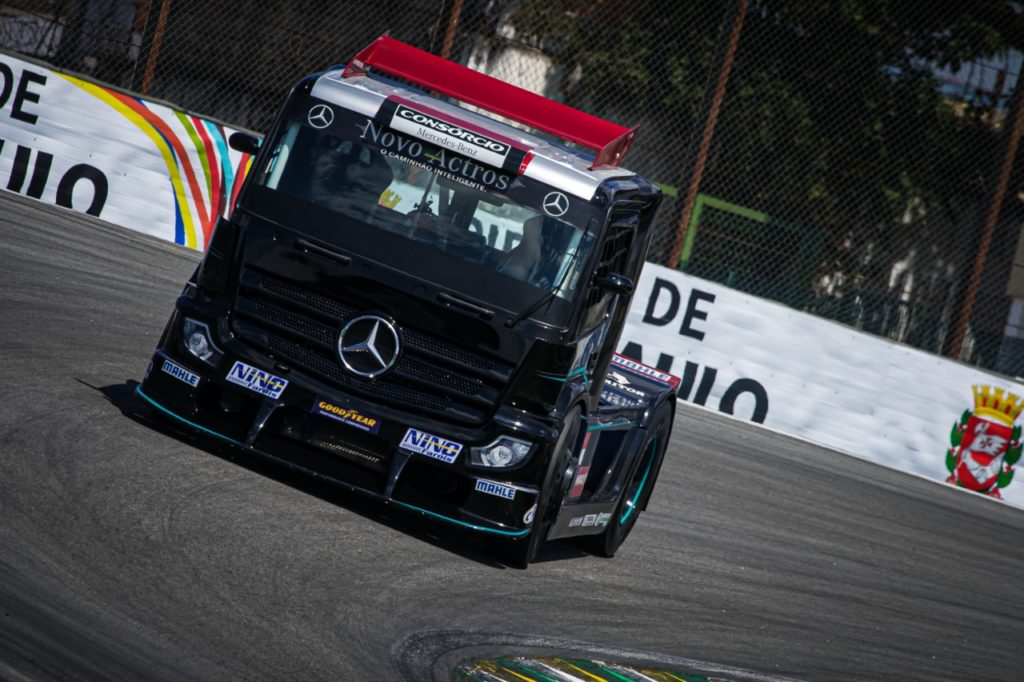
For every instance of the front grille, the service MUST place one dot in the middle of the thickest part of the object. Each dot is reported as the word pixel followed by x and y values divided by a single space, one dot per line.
pixel 448 351
pixel 336 312
pixel 319 364
pixel 300 327
pixel 295 323
pixel 296 294
pixel 441 378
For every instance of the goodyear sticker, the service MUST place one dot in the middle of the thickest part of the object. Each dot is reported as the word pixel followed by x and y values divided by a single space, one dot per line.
pixel 257 380
pixel 496 489
pixel 346 415
pixel 430 445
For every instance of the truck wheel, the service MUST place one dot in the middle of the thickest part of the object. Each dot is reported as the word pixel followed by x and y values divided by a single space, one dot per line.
pixel 638 486
pixel 520 553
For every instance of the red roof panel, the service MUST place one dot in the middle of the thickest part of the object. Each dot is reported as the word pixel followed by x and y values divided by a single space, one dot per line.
pixel 609 140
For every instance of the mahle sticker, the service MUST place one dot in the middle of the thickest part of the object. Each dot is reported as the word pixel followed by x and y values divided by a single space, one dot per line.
pixel 496 489
pixel 180 373
pixel 257 380
pixel 430 445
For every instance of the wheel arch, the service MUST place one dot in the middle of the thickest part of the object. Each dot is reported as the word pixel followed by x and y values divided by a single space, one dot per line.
pixel 670 400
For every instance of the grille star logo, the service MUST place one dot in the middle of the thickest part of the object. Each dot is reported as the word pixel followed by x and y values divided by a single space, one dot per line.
pixel 368 346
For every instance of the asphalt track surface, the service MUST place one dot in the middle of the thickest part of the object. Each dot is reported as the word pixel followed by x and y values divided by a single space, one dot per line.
pixel 129 553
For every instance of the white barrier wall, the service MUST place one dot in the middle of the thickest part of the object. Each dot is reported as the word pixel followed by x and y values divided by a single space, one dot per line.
pixel 804 375
pixel 167 173
pixel 130 161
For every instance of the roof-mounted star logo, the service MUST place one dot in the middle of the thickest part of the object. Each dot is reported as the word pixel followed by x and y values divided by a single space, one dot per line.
pixel 320 116
pixel 555 204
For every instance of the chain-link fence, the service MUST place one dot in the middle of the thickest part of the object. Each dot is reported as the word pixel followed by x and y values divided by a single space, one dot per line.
pixel 853 160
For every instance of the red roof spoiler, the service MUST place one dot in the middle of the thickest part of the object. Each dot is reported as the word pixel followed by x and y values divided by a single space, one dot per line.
pixel 609 140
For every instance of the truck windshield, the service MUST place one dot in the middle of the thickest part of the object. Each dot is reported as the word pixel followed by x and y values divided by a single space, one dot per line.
pixel 380 178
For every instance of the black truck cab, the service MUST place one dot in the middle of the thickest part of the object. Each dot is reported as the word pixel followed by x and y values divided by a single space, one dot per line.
pixel 421 303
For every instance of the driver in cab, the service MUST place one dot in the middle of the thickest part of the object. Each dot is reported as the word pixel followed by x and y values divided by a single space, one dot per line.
pixel 347 177
pixel 535 259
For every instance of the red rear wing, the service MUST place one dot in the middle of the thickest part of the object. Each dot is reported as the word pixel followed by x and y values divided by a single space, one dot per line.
pixel 609 140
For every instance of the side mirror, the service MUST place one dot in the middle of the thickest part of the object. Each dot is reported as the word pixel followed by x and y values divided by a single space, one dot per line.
pixel 615 283
pixel 245 143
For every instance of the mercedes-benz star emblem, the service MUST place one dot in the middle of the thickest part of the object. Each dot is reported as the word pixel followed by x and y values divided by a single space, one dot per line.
pixel 320 116
pixel 368 345
pixel 556 204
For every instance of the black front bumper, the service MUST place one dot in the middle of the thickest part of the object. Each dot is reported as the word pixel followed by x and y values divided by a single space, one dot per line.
pixel 292 430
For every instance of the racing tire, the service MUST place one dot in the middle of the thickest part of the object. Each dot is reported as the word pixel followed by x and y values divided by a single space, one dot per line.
pixel 639 486
pixel 520 553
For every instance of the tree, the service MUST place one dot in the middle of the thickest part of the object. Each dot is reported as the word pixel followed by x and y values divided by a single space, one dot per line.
pixel 834 119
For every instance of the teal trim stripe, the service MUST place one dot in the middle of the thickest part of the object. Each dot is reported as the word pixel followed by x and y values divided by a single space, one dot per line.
pixel 496 531
pixel 457 522
pixel 643 482
pixel 612 425
pixel 582 371
pixel 138 392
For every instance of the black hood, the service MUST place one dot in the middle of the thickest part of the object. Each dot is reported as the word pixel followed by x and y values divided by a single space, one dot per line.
pixel 295 294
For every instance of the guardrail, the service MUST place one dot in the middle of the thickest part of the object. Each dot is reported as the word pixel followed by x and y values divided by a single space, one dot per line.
pixel 132 161
pixel 828 383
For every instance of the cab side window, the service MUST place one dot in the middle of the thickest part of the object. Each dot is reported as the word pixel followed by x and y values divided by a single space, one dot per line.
pixel 614 257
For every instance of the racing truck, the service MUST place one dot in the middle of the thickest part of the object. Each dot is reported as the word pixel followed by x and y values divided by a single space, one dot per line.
pixel 417 297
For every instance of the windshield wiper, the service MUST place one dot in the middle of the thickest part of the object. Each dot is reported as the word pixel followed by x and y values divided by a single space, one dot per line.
pixel 513 321
pixel 456 302
pixel 548 295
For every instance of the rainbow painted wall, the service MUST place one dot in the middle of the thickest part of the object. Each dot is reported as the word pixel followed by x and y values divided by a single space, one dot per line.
pixel 133 162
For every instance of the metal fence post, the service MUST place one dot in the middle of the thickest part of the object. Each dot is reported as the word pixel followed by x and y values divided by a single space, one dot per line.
pixel 724 55
pixel 154 48
pixel 453 25
pixel 1016 111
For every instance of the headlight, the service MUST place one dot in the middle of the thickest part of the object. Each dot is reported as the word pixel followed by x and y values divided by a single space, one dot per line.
pixel 199 342
pixel 503 453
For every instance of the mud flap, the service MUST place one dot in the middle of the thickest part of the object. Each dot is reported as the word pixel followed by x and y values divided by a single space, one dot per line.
pixel 582 519
pixel 579 516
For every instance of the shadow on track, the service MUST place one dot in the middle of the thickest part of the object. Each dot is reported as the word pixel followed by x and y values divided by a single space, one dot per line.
pixel 466 545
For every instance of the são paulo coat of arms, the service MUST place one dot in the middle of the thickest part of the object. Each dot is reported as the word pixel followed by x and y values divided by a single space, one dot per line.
pixel 985 444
